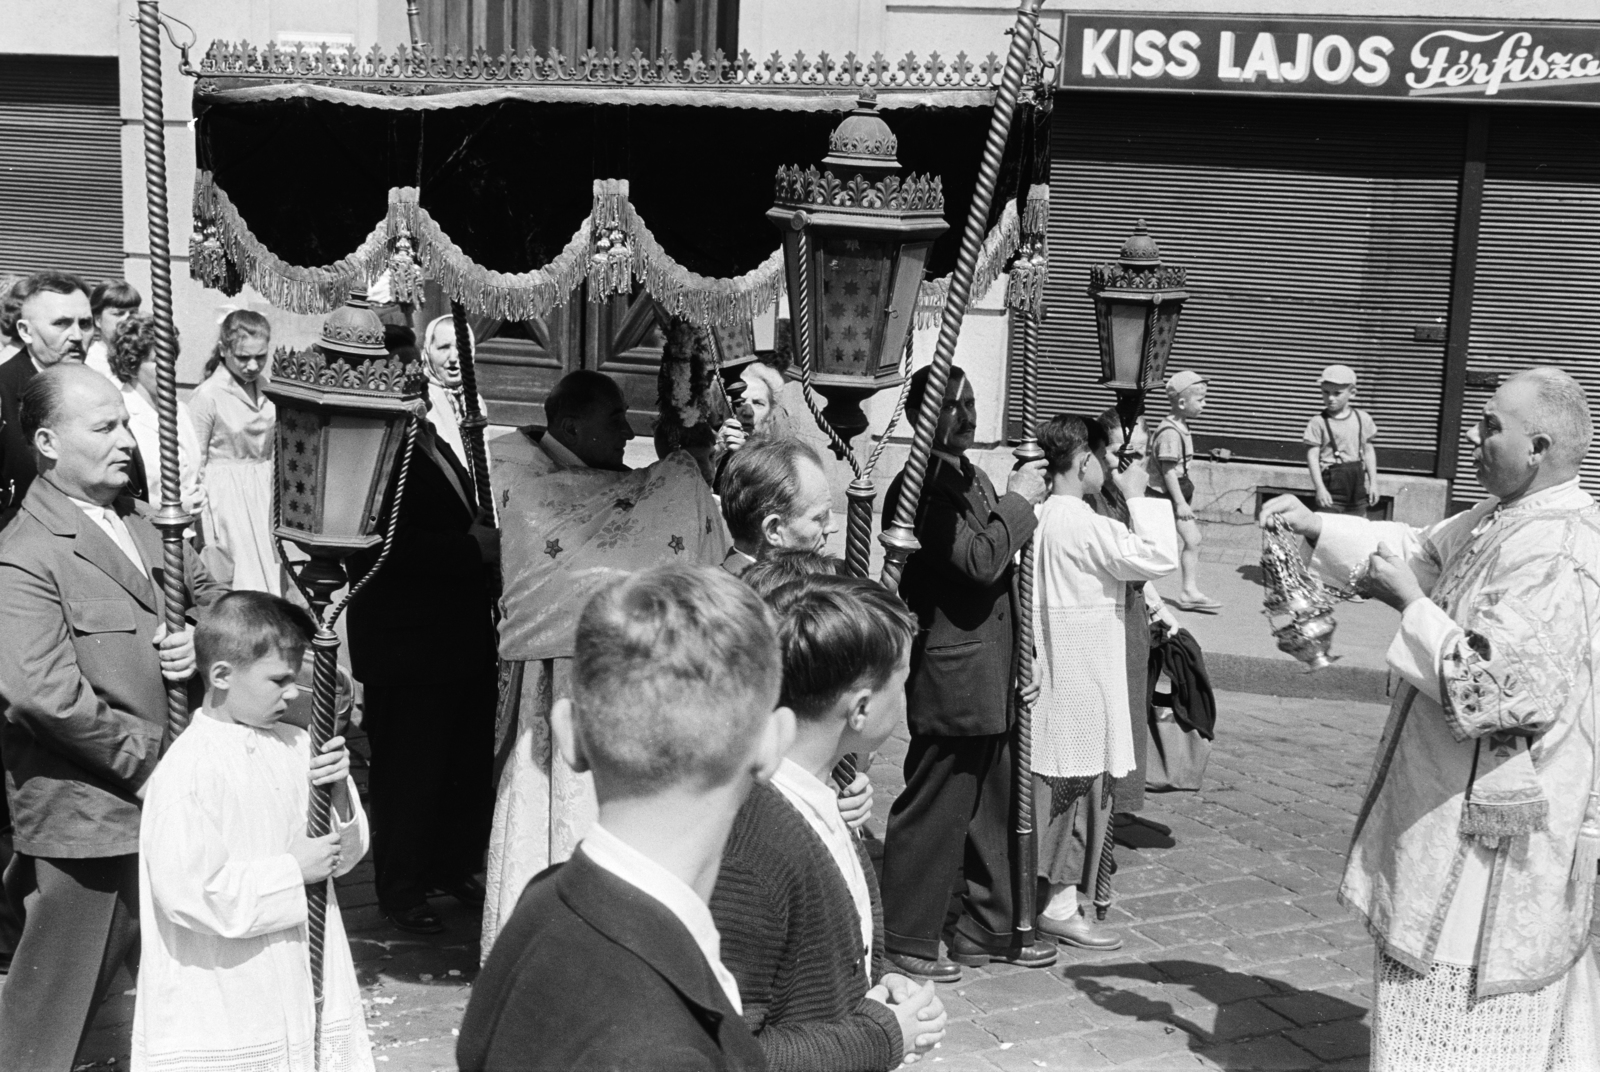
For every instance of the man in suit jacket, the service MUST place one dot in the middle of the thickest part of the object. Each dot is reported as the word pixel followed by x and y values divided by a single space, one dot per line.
pixel 54 324
pixel 422 643
pixel 952 821
pixel 84 661
pixel 612 960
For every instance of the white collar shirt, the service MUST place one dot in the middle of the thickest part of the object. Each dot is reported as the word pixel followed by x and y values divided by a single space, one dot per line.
pixel 612 854
pixel 818 804
pixel 113 526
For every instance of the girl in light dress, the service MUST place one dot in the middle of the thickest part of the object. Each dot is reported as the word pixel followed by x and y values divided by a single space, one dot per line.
pixel 234 422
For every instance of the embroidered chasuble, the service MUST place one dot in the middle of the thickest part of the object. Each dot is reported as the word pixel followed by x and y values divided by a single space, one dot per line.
pixel 566 530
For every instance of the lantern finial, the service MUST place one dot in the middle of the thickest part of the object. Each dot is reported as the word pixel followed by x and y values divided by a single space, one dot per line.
pixel 1140 250
pixel 863 142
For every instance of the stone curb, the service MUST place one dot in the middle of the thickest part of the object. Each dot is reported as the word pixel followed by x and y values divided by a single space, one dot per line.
pixel 1284 677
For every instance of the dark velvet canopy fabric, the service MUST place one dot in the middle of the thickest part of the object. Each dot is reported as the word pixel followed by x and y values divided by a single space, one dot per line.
pixel 509 181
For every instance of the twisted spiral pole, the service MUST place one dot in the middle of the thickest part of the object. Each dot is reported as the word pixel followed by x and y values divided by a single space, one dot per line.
pixel 899 539
pixel 1025 853
pixel 171 518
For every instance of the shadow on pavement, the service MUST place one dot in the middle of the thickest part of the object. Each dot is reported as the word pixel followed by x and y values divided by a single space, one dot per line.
pixel 1251 1017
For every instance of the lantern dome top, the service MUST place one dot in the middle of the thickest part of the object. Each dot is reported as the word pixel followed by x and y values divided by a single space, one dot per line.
pixel 1140 250
pixel 354 329
pixel 863 141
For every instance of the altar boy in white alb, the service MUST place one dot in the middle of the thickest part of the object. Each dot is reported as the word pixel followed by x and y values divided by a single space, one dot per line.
pixel 1474 855
pixel 224 862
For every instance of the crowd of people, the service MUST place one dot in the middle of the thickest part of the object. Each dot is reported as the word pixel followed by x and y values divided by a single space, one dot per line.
pixel 624 695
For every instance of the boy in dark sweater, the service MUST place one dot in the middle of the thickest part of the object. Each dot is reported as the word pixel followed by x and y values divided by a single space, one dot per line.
pixel 796 901
pixel 612 960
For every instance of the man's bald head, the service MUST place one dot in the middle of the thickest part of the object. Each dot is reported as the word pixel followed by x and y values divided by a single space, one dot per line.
pixel 78 426
pixel 588 415
pixel 1551 402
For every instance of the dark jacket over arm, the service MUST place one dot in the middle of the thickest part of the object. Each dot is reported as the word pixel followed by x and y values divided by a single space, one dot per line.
pixel 593 974
pixel 791 937
pixel 960 584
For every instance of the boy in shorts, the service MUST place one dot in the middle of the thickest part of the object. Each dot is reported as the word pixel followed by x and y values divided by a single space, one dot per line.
pixel 1171 453
pixel 1339 450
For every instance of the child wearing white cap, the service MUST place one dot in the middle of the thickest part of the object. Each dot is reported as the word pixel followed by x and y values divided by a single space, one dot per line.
pixel 1339 450
pixel 1171 452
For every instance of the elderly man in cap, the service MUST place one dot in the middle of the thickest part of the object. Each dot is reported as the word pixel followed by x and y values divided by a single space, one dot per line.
pixel 84 661
pixel 1474 856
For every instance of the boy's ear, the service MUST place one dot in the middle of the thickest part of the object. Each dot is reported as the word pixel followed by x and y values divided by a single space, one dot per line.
pixel 219 675
pixel 860 707
pixel 565 736
pixel 772 744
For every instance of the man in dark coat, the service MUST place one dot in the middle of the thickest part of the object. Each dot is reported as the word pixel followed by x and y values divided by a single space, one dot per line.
pixel 54 324
pixel 946 869
pixel 84 660
pixel 422 643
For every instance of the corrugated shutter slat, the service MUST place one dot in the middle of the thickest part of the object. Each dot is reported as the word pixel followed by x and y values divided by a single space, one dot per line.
pixel 1312 232
pixel 1537 297
pixel 60 166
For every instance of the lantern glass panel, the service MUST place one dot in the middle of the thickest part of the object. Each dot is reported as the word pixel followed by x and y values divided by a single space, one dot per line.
pixel 355 456
pixel 1127 340
pixel 299 449
pixel 855 286
pixel 908 269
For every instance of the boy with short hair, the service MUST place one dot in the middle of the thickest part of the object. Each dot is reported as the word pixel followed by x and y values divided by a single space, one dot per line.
pixel 224 862
pixel 796 900
pixel 1171 453
pixel 1339 450
pixel 611 959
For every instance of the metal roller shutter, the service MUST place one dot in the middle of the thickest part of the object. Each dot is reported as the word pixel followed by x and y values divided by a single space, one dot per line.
pixel 1313 232
pixel 1536 294
pixel 60 166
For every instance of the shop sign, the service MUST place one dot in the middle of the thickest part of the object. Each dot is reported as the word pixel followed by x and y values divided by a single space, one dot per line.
pixel 1448 59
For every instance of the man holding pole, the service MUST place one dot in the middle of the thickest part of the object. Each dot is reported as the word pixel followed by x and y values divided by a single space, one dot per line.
pixel 84 661
pixel 946 858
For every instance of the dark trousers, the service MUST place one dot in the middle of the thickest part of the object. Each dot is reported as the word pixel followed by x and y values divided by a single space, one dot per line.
pixel 81 925
pixel 429 790
pixel 946 856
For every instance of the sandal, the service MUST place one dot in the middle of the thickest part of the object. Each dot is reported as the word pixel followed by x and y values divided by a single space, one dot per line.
pixel 1202 606
pixel 421 919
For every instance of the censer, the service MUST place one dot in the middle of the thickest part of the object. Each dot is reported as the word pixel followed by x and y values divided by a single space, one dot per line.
pixel 1291 591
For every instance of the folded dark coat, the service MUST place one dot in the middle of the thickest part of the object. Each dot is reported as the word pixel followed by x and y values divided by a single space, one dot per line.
pixel 1194 706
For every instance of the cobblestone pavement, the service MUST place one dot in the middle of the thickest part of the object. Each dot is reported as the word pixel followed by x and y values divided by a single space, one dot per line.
pixel 1236 957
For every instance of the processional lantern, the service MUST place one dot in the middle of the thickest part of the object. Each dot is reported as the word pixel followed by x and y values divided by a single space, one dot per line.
pixel 343 407
pixel 856 239
pixel 1137 300
pixel 347 411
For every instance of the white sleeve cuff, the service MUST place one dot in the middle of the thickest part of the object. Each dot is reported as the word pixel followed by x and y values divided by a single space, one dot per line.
pixel 1414 654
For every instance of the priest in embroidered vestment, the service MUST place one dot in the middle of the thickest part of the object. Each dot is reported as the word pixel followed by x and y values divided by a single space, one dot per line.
pixel 1474 855
pixel 572 517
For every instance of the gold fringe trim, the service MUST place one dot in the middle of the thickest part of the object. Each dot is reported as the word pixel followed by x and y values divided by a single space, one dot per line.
pixel 1036 217
pixel 612 249
pixel 998 247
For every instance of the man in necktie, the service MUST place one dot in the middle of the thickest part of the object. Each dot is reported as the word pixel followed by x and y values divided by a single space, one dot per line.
pixel 948 831
pixel 84 661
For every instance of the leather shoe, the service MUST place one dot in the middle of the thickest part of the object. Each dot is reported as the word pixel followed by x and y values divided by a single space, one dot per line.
pixel 1079 931
pixel 941 970
pixel 419 919
pixel 964 950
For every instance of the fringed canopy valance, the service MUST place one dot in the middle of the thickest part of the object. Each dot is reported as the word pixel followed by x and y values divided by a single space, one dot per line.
pixel 321 170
